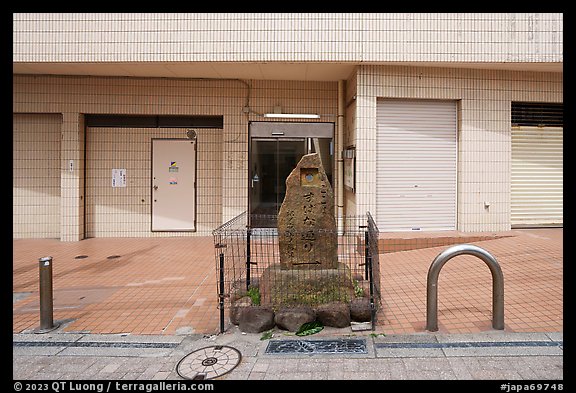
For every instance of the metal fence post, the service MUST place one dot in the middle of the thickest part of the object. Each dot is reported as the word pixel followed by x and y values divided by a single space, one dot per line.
pixel 46 298
pixel 221 292
pixel 366 253
pixel 371 280
pixel 248 233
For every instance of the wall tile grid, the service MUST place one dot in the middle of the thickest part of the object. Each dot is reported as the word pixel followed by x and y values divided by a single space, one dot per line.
pixel 239 37
pixel 36 175
pixel 222 154
pixel 126 211
pixel 483 97
pixel 484 153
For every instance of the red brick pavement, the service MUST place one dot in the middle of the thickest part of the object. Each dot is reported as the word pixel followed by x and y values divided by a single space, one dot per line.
pixel 165 285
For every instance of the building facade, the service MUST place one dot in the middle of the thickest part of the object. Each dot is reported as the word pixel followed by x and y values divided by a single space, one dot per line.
pixel 143 125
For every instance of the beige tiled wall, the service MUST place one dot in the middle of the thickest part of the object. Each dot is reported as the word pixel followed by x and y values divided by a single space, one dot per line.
pixel 126 211
pixel 483 97
pixel 484 130
pixel 263 37
pixel 72 177
pixel 222 154
pixel 36 175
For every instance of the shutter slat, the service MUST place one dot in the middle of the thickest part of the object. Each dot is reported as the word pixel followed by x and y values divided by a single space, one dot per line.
pixel 537 176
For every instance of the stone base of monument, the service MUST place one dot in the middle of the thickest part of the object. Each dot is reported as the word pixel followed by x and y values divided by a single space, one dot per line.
pixel 280 287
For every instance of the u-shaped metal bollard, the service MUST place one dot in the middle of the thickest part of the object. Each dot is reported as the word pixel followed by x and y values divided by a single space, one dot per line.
pixel 432 284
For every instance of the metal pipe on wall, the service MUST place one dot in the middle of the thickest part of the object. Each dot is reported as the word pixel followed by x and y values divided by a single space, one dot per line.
pixel 339 155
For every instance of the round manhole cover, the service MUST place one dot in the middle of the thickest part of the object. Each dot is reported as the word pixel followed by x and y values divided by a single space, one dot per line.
pixel 209 362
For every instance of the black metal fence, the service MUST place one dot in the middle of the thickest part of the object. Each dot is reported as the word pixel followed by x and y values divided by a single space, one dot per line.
pixel 248 263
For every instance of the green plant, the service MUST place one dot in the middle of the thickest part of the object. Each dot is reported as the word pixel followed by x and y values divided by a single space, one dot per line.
pixel 310 328
pixel 358 290
pixel 254 294
pixel 267 335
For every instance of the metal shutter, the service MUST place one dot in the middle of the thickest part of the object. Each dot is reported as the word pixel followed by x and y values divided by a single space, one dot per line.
pixel 537 174
pixel 416 165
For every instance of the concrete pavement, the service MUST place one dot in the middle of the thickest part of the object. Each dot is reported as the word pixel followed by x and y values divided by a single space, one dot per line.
pixel 493 355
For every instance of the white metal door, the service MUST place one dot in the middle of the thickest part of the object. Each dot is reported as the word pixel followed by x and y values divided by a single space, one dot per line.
pixel 173 185
pixel 416 165
pixel 537 176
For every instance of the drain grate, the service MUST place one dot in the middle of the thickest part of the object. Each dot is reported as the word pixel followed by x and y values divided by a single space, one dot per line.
pixel 93 344
pixel 341 346
pixel 480 344
pixel 209 362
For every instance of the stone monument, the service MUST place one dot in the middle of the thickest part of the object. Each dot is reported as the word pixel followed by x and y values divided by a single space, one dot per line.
pixel 307 234
pixel 309 282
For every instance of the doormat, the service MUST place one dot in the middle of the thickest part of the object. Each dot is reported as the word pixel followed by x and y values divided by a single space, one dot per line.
pixel 341 346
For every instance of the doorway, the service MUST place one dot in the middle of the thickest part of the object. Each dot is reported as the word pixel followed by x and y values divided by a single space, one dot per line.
pixel 173 185
pixel 275 150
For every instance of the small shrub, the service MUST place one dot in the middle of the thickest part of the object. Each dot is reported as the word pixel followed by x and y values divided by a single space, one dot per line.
pixel 254 295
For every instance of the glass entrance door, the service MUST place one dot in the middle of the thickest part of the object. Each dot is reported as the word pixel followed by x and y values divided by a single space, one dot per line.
pixel 272 160
pixel 274 151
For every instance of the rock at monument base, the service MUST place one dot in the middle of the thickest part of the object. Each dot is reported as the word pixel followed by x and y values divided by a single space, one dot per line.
pixel 256 319
pixel 360 310
pixel 237 307
pixel 280 287
pixel 335 314
pixel 292 319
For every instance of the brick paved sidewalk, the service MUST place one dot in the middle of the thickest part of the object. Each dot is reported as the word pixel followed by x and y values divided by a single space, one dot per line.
pixel 168 285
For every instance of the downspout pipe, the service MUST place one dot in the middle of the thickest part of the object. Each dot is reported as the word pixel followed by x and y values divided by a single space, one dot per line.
pixel 340 155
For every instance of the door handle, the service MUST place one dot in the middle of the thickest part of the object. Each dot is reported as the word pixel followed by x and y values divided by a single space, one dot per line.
pixel 155 187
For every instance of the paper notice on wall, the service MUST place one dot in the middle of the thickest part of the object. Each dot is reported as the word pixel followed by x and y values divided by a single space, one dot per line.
pixel 119 177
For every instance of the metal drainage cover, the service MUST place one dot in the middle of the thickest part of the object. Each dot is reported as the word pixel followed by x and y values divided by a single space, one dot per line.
pixel 209 362
pixel 345 346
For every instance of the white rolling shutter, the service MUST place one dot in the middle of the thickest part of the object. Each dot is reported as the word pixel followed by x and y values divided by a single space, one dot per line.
pixel 537 176
pixel 416 165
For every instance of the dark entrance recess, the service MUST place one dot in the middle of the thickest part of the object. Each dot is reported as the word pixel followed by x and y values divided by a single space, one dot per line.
pixel 154 121
pixel 537 114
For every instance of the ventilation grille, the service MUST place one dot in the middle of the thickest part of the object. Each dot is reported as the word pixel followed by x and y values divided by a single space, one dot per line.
pixel 537 114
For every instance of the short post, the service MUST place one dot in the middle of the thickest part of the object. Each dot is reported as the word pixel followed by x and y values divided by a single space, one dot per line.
pixel 46 298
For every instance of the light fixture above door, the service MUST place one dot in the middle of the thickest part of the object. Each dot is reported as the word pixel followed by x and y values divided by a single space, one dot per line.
pixel 292 115
pixel 278 114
